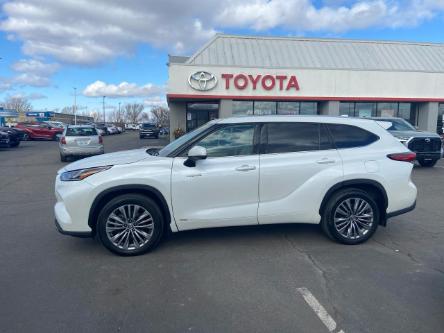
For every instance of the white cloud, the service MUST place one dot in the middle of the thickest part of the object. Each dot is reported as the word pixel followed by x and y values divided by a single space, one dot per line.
pixel 35 67
pixel 31 96
pixel 155 101
pixel 123 89
pixel 89 32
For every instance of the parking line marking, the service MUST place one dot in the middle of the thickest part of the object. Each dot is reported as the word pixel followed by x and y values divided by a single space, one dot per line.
pixel 320 311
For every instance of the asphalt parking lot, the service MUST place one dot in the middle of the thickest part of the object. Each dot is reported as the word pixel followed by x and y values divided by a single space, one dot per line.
pixel 244 279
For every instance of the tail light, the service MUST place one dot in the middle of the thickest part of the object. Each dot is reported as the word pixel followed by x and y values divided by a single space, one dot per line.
pixel 63 140
pixel 404 157
pixel 100 139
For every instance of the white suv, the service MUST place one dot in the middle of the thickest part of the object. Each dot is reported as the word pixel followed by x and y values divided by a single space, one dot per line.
pixel 349 175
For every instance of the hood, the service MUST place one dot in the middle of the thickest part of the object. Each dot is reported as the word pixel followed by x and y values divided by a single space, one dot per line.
pixel 416 134
pixel 117 158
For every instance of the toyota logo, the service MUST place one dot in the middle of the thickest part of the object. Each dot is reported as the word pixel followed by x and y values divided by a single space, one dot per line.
pixel 202 81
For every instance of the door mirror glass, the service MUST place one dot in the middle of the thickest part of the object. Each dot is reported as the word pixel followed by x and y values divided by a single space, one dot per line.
pixel 196 153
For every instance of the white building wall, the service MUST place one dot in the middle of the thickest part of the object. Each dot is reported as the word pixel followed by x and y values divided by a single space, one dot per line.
pixel 316 83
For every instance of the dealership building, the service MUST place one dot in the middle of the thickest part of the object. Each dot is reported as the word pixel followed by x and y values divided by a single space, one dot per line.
pixel 242 76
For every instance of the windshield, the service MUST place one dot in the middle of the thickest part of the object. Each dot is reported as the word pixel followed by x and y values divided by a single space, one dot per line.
pixel 148 126
pixel 398 125
pixel 183 139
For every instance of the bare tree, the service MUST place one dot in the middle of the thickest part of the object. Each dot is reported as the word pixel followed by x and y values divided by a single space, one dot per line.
pixel 19 104
pixel 67 110
pixel 133 112
pixel 161 116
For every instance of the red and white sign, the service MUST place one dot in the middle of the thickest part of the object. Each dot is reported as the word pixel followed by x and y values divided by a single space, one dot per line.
pixel 267 82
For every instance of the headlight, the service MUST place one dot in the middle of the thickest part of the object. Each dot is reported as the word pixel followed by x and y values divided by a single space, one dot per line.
pixel 81 174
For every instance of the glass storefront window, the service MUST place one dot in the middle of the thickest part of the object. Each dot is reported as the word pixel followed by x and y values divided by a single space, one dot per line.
pixel 288 108
pixel 347 109
pixel 309 108
pixel 405 112
pixel 440 125
pixel 242 108
pixel 200 113
pixel 387 109
pixel 365 110
pixel 264 108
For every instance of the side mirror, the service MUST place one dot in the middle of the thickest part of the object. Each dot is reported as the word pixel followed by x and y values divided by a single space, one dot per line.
pixel 196 153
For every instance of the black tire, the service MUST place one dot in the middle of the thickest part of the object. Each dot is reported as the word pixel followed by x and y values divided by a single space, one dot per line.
pixel 131 199
pixel 14 144
pixel 63 158
pixel 427 163
pixel 328 216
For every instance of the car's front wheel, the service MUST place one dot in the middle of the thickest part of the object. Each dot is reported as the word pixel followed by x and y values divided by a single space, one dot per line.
pixel 351 216
pixel 130 224
pixel 427 163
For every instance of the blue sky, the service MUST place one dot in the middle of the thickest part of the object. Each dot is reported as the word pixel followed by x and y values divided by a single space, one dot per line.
pixel 120 48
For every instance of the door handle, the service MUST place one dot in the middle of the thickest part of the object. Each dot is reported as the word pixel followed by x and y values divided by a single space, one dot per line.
pixel 246 167
pixel 325 160
pixel 194 175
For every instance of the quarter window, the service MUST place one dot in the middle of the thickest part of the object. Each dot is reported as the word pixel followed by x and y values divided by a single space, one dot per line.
pixel 347 136
pixel 292 137
pixel 229 141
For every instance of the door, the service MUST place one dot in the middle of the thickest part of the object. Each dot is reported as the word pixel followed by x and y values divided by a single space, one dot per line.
pixel 221 190
pixel 298 166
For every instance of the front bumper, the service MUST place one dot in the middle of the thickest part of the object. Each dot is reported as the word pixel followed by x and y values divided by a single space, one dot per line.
pixel 81 234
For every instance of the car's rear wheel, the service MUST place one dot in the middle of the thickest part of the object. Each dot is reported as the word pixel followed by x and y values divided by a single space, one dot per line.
pixel 130 224
pixel 351 216
pixel 427 163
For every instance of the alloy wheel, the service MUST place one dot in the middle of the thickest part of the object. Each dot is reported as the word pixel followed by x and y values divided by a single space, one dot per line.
pixel 129 227
pixel 353 218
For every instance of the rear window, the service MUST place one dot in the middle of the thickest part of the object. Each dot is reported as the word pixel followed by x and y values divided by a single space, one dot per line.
pixel 80 131
pixel 347 136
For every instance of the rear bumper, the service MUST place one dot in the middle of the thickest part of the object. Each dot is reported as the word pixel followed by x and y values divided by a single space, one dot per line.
pixel 401 211
pixel 428 156
pixel 84 151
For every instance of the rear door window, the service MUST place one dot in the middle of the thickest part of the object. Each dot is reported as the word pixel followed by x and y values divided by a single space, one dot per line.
pixel 295 137
pixel 348 136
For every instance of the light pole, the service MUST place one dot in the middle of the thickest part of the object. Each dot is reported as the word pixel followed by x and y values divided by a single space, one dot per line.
pixel 104 119
pixel 75 105
pixel 119 113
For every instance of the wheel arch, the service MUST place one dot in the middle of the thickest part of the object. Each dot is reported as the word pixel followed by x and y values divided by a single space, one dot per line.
pixel 368 185
pixel 112 192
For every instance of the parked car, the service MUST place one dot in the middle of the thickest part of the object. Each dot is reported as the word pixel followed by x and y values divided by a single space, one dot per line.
pixel 103 128
pixel 9 138
pixel 57 124
pixel 148 130
pixel 164 131
pixel 22 135
pixel 345 174
pixel 80 140
pixel 40 130
pixel 426 145
pixel 112 129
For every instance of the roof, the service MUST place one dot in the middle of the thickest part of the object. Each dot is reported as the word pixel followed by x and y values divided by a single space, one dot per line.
pixel 296 118
pixel 306 53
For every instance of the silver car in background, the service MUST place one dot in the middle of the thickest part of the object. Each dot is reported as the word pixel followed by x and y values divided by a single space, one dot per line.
pixel 80 140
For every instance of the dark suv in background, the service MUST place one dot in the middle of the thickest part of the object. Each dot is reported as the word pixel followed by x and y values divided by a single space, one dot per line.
pixel 149 130
pixel 426 145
